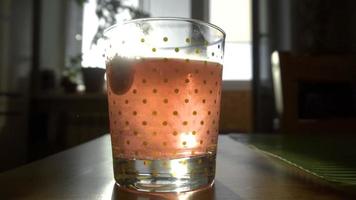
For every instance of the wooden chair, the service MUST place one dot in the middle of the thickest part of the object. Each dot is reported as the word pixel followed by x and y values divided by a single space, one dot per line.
pixel 315 94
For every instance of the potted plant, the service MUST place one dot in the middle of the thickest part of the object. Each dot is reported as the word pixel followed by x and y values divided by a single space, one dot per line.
pixel 71 75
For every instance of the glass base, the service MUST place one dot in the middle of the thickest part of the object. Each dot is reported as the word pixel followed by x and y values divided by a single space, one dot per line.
pixel 166 175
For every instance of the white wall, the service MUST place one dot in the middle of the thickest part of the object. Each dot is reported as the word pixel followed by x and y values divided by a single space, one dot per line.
pixel 168 8
pixel 234 17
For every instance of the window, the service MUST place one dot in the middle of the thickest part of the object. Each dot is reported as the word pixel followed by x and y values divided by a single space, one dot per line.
pixel 90 24
pixel 234 17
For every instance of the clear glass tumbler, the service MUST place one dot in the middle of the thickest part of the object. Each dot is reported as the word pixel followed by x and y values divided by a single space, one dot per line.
pixel 164 87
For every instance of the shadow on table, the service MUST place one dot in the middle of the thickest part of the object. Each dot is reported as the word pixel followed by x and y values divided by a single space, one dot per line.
pixel 218 191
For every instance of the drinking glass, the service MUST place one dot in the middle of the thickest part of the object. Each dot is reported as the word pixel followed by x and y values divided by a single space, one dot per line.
pixel 164 88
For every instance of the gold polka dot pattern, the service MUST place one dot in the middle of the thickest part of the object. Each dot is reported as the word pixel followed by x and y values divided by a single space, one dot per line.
pixel 170 111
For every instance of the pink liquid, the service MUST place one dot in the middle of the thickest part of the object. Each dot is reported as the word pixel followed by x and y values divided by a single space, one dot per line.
pixel 163 108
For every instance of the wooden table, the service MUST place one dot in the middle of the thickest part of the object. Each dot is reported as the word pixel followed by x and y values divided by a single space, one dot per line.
pixel 85 172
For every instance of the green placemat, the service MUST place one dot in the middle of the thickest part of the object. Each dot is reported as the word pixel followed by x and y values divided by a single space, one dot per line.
pixel 329 157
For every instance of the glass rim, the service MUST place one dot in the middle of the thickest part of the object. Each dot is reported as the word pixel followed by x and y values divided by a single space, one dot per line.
pixel 181 19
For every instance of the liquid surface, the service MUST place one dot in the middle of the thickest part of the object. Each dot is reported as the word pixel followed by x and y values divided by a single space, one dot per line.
pixel 163 108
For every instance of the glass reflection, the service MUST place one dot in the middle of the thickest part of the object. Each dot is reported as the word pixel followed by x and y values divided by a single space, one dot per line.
pixel 203 194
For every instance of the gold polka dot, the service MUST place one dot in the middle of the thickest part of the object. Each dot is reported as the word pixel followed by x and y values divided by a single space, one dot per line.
pixel 194 132
pixel 175 133
pixel 211 73
pixel 154 133
pixel 209 112
pixel 194 112
pixel 134 113
pixel 197 51
pixel 165 80
pixel 203 100
pixel 215 101
pixel 164 143
pixel 176 49
pixel 144 101
pixel 204 81
pixel 142 39
pixel 176 91
pixel 201 142
pixel 184 143
pixel 144 123
pixel 134 91
pixel 175 112
pixel 186 80
pixel 126 101
pixel 165 39
pixel 127 123
pixel 144 143
pixel 164 123
pixel 154 49
pixel 185 123
pixel 128 142
pixel 211 92
pixel 135 133
pixel 208 132
pixel 119 113
pixel 154 112
pixel 165 100
pixel 202 122
pixel 186 100
pixel 144 81
pixel 114 102
pixel 187 40
pixel 196 91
